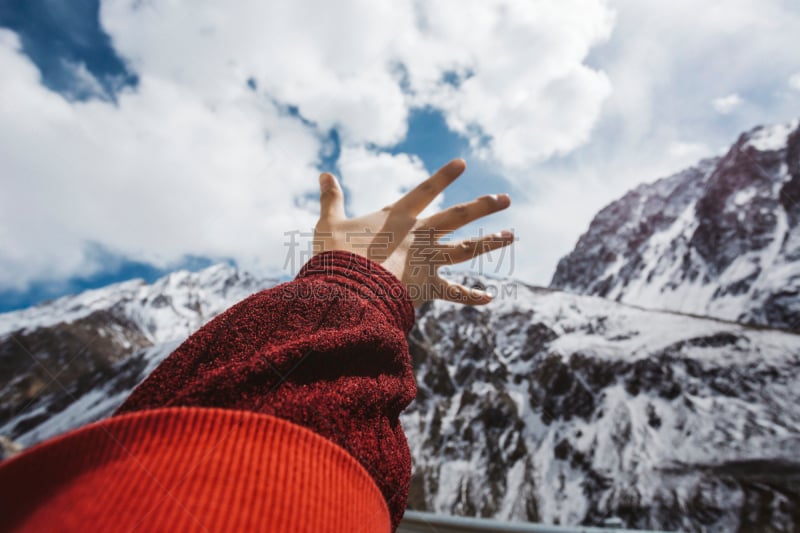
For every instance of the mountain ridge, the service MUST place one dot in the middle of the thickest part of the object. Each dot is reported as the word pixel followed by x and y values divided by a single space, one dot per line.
pixel 720 238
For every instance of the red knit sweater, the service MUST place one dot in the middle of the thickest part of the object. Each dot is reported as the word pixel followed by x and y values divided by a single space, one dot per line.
pixel 217 437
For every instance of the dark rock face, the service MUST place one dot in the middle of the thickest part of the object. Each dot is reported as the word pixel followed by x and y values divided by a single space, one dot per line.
pixel 71 361
pixel 719 239
pixel 55 364
pixel 567 409
pixel 462 424
pixel 620 230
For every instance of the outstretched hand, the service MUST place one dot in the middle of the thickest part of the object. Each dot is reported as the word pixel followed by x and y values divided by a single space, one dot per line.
pixel 408 246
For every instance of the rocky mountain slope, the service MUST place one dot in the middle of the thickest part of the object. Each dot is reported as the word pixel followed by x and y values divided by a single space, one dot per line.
pixel 570 409
pixel 100 343
pixel 542 406
pixel 720 239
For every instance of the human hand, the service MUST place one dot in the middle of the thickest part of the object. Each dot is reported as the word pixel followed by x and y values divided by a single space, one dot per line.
pixel 408 246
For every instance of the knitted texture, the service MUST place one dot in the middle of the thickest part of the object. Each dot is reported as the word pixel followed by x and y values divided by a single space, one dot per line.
pixel 190 469
pixel 326 351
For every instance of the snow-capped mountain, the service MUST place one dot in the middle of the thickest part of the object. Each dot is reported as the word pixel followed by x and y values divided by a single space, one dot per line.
pixel 165 310
pixel 542 406
pixel 79 356
pixel 720 239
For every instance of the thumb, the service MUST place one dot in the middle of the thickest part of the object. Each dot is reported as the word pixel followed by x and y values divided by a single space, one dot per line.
pixel 331 197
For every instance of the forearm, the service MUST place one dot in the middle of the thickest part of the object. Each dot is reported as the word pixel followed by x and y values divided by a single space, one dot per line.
pixel 326 351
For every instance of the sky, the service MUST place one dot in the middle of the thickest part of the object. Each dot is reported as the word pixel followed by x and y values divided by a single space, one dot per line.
pixel 142 136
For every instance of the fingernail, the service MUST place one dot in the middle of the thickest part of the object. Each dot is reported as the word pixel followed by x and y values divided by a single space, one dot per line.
pixel 325 181
pixel 505 234
pixel 479 294
pixel 503 200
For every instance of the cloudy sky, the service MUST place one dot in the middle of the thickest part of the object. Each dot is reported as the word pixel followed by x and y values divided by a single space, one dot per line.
pixel 139 136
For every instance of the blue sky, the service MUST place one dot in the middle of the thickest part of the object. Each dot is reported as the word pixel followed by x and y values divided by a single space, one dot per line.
pixel 141 137
pixel 54 33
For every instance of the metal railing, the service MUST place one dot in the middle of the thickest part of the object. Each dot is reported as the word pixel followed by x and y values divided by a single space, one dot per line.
pixel 419 522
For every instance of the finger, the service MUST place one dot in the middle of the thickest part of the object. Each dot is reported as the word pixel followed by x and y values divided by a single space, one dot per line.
pixel 466 250
pixel 455 292
pixel 454 217
pixel 331 197
pixel 418 199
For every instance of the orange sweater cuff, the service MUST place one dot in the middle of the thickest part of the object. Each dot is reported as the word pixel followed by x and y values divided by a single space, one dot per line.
pixel 190 469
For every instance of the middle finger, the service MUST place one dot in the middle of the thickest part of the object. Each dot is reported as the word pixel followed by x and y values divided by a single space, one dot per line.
pixel 459 215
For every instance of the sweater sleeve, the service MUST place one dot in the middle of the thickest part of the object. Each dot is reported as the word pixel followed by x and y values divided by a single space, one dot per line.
pixel 326 351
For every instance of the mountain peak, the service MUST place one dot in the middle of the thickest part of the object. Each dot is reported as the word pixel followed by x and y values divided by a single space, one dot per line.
pixel 771 138
pixel 194 295
pixel 720 239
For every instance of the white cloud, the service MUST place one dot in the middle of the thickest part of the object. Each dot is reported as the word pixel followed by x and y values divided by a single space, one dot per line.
pixel 525 85
pixel 528 88
pixel 688 153
pixel 375 180
pixel 84 84
pixel 724 105
pixel 192 161
pixel 794 81
pixel 159 175
pixel 328 59
pixel 666 61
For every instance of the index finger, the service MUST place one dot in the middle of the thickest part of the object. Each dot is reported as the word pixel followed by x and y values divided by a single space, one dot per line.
pixel 416 200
